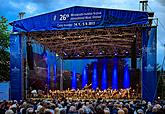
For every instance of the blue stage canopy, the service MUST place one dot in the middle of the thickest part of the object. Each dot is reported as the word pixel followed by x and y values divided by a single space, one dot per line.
pixel 80 18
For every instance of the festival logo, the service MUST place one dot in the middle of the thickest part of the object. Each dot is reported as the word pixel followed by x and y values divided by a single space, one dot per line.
pixel 149 68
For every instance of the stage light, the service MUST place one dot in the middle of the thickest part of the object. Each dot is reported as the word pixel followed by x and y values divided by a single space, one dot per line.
pixel 134 36
pixel 126 53
pixel 65 54
pixel 57 55
pixel 115 54
pixel 90 53
pixel 100 53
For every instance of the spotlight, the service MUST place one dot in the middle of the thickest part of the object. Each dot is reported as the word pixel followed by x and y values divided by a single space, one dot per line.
pixel 100 53
pixel 65 54
pixel 115 54
pixel 134 36
pixel 90 53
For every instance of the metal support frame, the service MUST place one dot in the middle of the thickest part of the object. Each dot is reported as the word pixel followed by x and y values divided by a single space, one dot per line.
pixel 80 43
pixel 26 70
pixel 144 4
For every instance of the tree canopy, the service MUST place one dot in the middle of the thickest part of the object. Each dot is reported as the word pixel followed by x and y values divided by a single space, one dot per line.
pixel 4 53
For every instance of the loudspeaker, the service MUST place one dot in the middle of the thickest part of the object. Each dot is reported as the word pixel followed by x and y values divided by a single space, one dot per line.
pixel 30 56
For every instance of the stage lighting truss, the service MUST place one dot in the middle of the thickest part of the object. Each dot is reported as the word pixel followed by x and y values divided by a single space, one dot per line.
pixel 103 42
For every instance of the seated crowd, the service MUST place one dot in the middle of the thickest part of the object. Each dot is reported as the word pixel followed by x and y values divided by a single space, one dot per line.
pixel 69 106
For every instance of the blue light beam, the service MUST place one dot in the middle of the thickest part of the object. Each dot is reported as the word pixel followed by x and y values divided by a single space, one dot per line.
pixel 126 83
pixel 84 77
pixel 94 77
pixel 54 74
pixel 104 77
pixel 74 80
pixel 115 75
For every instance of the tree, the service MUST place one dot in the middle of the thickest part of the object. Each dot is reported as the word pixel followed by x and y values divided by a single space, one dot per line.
pixel 4 53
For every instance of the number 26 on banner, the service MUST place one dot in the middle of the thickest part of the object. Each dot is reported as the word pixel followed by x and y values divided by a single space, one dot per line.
pixel 64 17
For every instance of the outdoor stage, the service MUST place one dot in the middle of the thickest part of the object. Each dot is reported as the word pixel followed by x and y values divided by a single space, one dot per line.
pixel 116 49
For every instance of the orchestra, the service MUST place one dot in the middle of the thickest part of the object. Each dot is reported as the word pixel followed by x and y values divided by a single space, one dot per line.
pixel 88 93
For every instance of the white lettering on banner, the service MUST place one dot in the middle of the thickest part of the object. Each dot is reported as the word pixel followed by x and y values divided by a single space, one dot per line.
pixel 149 68
pixel 15 69
pixel 54 18
pixel 96 17
pixel 89 15
pixel 86 14
pixel 92 23
pixel 68 25
pixel 97 13
pixel 64 17
pixel 79 16
pixel 59 25
pixel 84 24
pixel 149 50
pixel 78 24
pixel 64 25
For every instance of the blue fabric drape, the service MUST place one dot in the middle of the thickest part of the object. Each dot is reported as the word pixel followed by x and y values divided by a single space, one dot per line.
pixel 15 67
pixel 149 75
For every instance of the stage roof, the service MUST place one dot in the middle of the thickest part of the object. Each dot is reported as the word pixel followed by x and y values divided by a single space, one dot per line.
pixel 79 32
pixel 79 17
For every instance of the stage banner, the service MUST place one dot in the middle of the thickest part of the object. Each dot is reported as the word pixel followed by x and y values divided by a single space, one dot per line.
pixel 15 67
pixel 149 73
pixel 80 18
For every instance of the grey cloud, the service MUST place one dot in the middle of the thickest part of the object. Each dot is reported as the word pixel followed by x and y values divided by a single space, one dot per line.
pixel 45 4
pixel 162 2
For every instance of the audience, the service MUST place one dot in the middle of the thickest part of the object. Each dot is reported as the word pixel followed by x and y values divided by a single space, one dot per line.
pixel 70 106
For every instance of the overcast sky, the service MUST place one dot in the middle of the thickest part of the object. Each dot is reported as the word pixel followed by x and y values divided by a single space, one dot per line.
pixel 11 8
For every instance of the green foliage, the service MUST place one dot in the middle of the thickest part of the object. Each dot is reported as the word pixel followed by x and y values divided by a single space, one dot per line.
pixel 4 46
